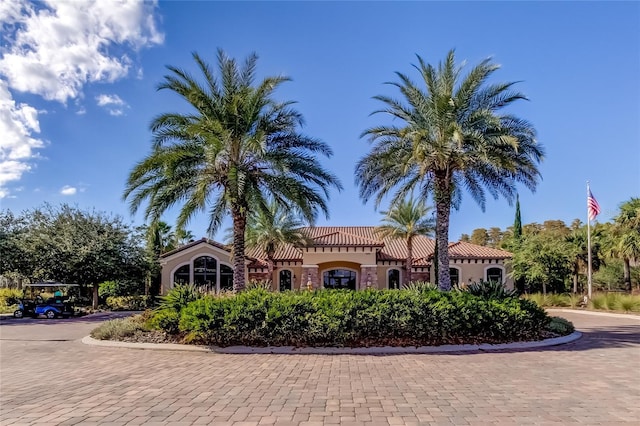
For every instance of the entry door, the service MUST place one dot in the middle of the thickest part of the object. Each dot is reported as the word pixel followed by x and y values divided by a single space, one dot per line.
pixel 339 279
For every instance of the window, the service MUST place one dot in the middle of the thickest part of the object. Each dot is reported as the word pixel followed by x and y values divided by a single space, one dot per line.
pixel 181 276
pixel 204 272
pixel 394 279
pixel 226 277
pixel 285 280
pixel 494 274
pixel 339 278
pixel 455 276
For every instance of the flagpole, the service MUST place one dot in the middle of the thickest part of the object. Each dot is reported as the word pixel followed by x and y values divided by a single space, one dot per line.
pixel 588 245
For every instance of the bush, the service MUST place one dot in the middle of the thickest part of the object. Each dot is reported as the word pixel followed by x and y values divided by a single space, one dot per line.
pixel 560 326
pixel 353 318
pixel 179 297
pixel 130 303
pixel 118 329
pixel 9 297
pixel 420 286
pixel 120 288
pixel 490 290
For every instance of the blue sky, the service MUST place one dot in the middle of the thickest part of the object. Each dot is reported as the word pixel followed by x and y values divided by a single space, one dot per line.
pixel 77 90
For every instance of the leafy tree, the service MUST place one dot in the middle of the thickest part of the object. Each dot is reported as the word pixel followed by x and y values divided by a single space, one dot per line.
pixel 480 236
pixel 236 146
pixel 495 237
pixel 268 230
pixel 465 238
pixel 541 262
pixel 69 245
pixel 12 257
pixel 451 135
pixel 556 227
pixel 405 220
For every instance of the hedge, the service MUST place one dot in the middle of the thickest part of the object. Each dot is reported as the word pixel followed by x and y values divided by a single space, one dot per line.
pixel 354 318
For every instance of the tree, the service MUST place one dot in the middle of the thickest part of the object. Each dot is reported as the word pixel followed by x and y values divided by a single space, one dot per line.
pixel 465 238
pixel 268 230
pixel 480 237
pixel 69 245
pixel 495 237
pixel 182 237
pixel 405 220
pixel 517 222
pixel 452 135
pixel 236 146
pixel 624 239
pixel 540 262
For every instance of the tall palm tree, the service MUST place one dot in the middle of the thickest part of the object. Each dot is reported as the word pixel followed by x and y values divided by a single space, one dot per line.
pixel 236 146
pixel 269 230
pixel 451 135
pixel 182 237
pixel 405 220
pixel 160 237
pixel 624 240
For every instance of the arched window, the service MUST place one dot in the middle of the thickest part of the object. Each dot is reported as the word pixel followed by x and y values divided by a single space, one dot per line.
pixel 339 278
pixel 455 276
pixel 204 272
pixel 394 279
pixel 226 277
pixel 285 280
pixel 494 274
pixel 181 276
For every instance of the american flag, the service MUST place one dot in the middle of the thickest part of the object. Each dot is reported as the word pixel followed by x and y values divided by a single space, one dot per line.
pixel 593 208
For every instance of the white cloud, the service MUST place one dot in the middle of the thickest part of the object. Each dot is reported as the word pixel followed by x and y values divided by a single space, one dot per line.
pixel 68 190
pixel 112 103
pixel 53 49
pixel 18 124
pixel 59 48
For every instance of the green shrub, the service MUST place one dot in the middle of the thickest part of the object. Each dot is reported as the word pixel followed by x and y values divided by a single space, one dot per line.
pixel 420 286
pixel 118 329
pixel 120 288
pixel 598 301
pixel 179 297
pixel 353 318
pixel 8 298
pixel 560 326
pixel 629 303
pixel 490 290
pixel 130 303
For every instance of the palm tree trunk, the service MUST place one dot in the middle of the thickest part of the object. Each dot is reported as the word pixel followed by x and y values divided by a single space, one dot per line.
pixel 409 262
pixel 442 196
pixel 239 225
pixel 270 268
pixel 627 275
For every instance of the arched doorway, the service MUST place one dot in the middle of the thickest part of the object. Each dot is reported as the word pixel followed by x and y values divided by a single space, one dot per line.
pixel 339 279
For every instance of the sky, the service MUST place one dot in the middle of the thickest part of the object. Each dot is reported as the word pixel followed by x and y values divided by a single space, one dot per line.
pixel 78 90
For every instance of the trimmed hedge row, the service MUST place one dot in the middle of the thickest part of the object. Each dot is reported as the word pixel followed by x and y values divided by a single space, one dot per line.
pixel 353 318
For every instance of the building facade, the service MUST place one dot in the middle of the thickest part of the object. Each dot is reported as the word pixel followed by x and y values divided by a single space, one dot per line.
pixel 351 257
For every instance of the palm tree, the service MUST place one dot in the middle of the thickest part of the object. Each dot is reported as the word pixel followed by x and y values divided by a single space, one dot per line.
pixel 624 241
pixel 160 237
pixel 236 146
pixel 268 230
pixel 451 136
pixel 405 220
pixel 182 237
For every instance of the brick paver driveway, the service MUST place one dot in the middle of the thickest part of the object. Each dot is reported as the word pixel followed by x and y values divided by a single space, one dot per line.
pixel 48 376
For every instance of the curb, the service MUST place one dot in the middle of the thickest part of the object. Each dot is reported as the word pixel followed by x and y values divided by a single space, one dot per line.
pixel 290 350
pixel 598 314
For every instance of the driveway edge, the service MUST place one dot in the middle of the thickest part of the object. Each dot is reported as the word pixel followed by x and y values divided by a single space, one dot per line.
pixel 381 350
pixel 595 313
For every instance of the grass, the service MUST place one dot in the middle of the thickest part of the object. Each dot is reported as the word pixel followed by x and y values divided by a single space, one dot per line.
pixel 600 301
pixel 118 329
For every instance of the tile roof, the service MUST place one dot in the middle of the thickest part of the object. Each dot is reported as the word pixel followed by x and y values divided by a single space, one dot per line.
pixel 364 236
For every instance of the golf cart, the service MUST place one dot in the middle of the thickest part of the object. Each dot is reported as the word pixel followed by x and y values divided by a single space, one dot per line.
pixel 34 304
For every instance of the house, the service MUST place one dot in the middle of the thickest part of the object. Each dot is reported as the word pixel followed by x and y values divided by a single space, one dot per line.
pixel 340 257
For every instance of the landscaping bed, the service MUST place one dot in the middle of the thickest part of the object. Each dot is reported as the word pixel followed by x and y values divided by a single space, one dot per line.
pixel 337 318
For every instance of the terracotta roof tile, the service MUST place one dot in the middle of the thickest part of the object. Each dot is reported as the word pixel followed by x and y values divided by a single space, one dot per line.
pixel 389 249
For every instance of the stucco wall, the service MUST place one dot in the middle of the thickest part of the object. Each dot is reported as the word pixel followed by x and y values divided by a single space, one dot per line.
pixel 172 263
